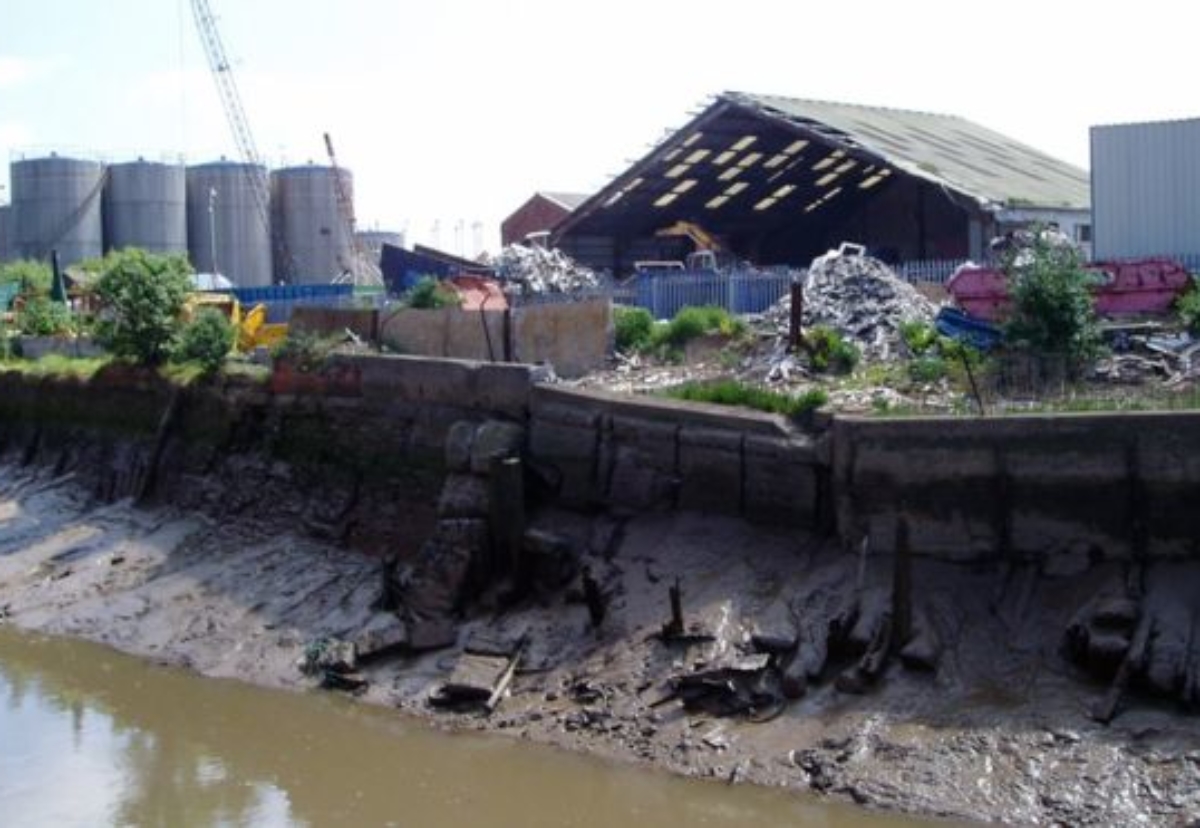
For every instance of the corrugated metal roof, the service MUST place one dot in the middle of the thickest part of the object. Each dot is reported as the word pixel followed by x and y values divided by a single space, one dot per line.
pixel 968 158
pixel 568 201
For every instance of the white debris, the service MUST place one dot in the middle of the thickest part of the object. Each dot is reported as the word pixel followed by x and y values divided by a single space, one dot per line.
pixel 538 270
pixel 862 299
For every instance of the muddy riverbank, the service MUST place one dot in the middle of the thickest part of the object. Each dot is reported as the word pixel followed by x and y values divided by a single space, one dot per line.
pixel 997 729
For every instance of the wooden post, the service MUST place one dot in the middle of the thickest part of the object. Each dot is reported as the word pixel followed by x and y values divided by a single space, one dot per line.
pixel 901 587
pixel 795 324
pixel 507 504
pixel 594 598
pixel 676 623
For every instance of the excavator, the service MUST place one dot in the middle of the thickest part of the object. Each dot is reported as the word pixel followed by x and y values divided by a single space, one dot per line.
pixel 253 330
pixel 709 254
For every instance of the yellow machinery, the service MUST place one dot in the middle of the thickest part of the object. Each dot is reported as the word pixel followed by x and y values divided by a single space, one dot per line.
pixel 709 253
pixel 253 330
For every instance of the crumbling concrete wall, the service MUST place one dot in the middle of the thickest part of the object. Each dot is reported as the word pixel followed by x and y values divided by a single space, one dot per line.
pixel 1091 486
pixel 610 451
pixel 573 337
pixel 445 332
pixel 363 322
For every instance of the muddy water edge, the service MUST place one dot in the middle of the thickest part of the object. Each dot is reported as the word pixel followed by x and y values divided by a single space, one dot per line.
pixel 91 737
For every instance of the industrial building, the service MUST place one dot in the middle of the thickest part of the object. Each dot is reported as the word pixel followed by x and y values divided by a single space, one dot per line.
pixel 1146 190
pixel 256 227
pixel 540 214
pixel 778 180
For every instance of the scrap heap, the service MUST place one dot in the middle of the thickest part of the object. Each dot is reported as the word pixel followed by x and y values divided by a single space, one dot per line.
pixel 533 270
pixel 862 299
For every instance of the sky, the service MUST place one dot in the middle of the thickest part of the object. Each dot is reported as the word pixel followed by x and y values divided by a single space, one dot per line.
pixel 451 113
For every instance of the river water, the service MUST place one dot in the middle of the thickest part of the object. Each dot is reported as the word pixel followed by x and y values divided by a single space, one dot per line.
pixel 90 737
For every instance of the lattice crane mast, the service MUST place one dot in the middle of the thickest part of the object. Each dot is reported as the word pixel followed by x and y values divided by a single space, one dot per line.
pixel 235 113
pixel 360 269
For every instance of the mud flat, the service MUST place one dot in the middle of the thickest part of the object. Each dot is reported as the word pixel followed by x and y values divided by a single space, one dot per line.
pixel 987 720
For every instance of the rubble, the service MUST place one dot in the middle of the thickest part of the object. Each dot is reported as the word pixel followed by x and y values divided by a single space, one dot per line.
pixel 861 298
pixel 536 270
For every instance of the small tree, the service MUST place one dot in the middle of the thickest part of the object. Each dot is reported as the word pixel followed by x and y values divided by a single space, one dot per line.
pixel 1052 309
pixel 141 296
pixel 207 340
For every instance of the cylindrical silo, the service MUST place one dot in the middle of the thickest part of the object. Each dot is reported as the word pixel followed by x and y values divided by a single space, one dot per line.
pixel 145 205
pixel 226 228
pixel 314 232
pixel 6 252
pixel 56 206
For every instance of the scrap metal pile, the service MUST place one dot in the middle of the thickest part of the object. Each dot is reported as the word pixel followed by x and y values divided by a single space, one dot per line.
pixel 862 299
pixel 535 270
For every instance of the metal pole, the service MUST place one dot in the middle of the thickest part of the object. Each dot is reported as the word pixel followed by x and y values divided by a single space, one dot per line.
pixel 212 230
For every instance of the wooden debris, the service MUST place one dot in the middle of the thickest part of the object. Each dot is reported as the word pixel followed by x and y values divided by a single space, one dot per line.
pixel 594 597
pixel 1106 710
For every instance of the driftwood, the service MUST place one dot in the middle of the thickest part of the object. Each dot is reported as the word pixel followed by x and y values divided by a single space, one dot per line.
pixel 1135 657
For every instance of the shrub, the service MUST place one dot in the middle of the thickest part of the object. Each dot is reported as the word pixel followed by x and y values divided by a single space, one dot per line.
pixel 141 296
pixel 429 293
pixel 828 351
pixel 306 351
pixel 927 369
pixel 41 316
pixel 1052 310
pixel 1188 308
pixel 734 393
pixel 35 277
pixel 633 327
pixel 692 322
pixel 918 336
pixel 207 340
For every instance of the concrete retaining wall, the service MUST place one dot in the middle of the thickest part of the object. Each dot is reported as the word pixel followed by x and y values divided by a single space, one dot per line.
pixel 1101 486
pixel 608 450
pixel 572 337
pixel 1056 487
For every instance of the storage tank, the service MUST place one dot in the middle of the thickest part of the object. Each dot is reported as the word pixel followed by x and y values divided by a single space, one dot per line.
pixel 145 205
pixel 5 233
pixel 314 236
pixel 56 205
pixel 226 231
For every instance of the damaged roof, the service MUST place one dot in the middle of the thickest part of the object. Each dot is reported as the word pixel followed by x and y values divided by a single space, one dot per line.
pixel 744 154
pixel 977 162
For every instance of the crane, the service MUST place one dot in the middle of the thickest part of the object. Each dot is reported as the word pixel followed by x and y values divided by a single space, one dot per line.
pixel 235 114
pixel 359 269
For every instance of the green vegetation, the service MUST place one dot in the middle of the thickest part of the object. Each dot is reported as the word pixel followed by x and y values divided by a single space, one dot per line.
pixel 637 331
pixel 34 277
pixel 633 327
pixel 141 296
pixel 918 336
pixel 430 293
pixel 42 316
pixel 305 351
pixel 1188 308
pixel 206 341
pixel 56 365
pixel 829 352
pixel 734 393
pixel 1052 309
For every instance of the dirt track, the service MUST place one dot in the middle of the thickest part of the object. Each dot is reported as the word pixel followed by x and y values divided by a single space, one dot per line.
pixel 998 731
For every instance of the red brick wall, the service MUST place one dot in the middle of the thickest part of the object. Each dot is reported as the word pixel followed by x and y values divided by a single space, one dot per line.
pixel 535 215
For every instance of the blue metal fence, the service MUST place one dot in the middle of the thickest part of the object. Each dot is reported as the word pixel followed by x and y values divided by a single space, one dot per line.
pixel 749 292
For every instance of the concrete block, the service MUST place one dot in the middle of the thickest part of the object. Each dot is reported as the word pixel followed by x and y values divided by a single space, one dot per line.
pixel 655 442
pixel 710 470
pixel 780 481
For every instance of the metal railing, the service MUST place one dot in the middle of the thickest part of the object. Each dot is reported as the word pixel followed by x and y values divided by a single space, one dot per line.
pixel 737 292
